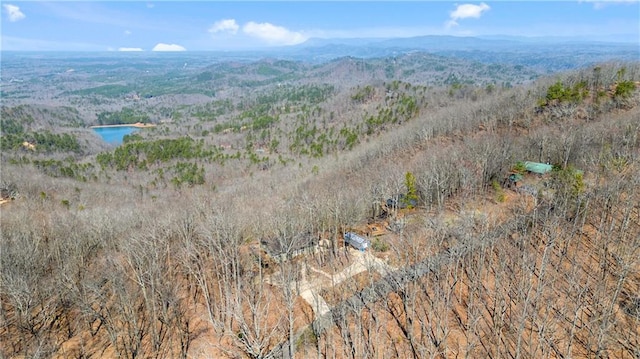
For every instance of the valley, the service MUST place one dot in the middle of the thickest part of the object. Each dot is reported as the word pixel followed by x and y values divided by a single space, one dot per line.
pixel 218 229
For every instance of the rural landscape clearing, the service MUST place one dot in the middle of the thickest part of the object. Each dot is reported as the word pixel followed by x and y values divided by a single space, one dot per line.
pixel 416 197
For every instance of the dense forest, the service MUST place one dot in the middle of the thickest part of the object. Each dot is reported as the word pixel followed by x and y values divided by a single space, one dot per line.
pixel 220 231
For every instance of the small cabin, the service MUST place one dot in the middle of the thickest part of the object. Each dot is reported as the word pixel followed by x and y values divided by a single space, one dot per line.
pixel 539 168
pixel 356 241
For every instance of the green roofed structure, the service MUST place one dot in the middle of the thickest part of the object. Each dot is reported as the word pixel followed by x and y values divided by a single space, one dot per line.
pixel 539 168
pixel 516 177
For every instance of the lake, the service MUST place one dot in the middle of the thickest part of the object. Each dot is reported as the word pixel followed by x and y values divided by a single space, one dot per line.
pixel 114 135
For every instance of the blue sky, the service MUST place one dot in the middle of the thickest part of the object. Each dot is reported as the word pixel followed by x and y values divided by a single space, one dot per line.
pixel 217 25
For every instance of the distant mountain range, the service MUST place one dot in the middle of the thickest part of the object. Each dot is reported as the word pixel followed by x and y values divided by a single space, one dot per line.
pixel 619 38
pixel 449 40
pixel 484 43
pixel 542 52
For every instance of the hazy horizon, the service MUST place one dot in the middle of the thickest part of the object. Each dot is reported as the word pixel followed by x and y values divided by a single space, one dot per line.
pixel 230 26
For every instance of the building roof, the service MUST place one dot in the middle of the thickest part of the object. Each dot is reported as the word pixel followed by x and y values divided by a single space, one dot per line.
pixel 536 167
pixel 354 237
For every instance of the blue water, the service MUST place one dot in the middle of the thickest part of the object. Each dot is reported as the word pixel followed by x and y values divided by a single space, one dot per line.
pixel 114 135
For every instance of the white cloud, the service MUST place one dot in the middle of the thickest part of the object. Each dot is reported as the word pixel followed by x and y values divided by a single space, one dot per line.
pixel 127 49
pixel 226 25
pixel 127 32
pixel 273 34
pixel 168 47
pixel 13 12
pixel 469 10
pixel 466 11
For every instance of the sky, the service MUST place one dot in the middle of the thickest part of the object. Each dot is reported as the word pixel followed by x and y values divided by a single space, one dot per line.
pixel 244 25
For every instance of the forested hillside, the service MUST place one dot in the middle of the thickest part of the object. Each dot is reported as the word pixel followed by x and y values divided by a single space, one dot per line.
pixel 220 231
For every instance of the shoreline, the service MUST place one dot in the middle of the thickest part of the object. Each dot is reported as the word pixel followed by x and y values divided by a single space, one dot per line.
pixel 137 125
